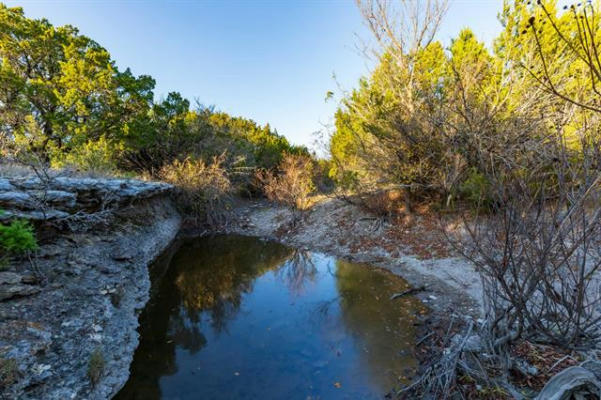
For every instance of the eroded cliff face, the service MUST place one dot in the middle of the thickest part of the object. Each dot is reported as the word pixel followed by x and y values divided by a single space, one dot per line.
pixel 80 297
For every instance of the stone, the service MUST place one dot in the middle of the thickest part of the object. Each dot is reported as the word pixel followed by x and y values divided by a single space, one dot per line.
pixel 59 199
pixel 15 199
pixel 5 185
pixel 593 366
pixel 9 278
pixel 50 331
pixel 18 290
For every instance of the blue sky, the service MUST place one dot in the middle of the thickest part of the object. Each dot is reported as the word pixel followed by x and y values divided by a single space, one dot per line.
pixel 269 60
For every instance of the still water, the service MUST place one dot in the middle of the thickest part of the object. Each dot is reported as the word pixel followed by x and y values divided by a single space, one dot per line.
pixel 236 317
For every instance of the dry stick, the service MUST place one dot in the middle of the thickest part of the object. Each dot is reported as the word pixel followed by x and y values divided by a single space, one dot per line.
pixel 559 362
pixel 424 338
pixel 408 292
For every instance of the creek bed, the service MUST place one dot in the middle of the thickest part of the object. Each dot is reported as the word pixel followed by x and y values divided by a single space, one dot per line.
pixel 236 317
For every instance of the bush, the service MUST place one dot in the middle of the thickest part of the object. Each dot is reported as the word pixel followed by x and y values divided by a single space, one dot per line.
pixel 94 156
pixel 17 237
pixel 204 189
pixel 96 366
pixel 476 189
pixel 9 371
pixel 386 203
pixel 293 183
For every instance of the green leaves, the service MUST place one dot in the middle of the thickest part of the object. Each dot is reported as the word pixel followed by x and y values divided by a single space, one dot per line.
pixel 59 89
pixel 17 238
pixel 63 99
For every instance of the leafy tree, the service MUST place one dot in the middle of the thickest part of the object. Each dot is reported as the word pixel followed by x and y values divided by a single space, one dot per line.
pixel 63 99
pixel 60 89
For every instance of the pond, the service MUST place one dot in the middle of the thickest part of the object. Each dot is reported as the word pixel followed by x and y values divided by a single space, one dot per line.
pixel 236 317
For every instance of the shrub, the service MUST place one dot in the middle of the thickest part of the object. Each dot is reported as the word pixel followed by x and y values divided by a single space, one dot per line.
pixel 476 189
pixel 17 237
pixel 204 189
pixel 293 183
pixel 9 371
pixel 93 156
pixel 96 366
pixel 386 202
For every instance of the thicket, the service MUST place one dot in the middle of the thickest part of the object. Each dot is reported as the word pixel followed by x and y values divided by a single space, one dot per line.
pixel 420 119
pixel 514 131
pixel 64 103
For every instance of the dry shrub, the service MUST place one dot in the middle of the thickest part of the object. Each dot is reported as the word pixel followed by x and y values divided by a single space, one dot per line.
pixel 292 184
pixel 204 189
pixel 387 203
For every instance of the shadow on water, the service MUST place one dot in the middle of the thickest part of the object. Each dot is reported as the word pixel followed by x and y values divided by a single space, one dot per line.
pixel 235 317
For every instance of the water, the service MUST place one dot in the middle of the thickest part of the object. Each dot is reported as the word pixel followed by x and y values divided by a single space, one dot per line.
pixel 239 318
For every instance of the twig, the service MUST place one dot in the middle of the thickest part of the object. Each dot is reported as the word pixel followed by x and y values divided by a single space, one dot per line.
pixel 408 292
pixel 424 338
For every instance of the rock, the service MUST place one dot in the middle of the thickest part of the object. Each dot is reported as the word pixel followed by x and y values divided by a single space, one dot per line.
pixel 83 304
pixel 47 215
pixel 569 383
pixel 5 185
pixel 593 366
pixel 18 290
pixel 29 279
pixel 9 278
pixel 125 255
pixel 58 199
pixel 14 199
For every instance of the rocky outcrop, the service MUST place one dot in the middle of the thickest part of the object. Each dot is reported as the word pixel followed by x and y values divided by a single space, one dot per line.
pixel 83 291
pixel 60 197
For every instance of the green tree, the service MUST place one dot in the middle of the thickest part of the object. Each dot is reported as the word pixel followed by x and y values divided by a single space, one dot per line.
pixel 60 89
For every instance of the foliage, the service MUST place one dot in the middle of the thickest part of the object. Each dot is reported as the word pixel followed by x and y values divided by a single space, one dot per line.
pixel 96 366
pixel 93 156
pixel 60 89
pixel 63 96
pixel 64 103
pixel 204 189
pixel 17 237
pixel 475 188
pixel 516 131
pixel 9 371
pixel 420 117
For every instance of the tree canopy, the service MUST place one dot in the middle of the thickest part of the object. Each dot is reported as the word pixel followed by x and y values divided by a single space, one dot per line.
pixel 63 98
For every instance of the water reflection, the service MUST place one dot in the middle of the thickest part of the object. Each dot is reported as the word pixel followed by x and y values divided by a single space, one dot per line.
pixel 239 318
pixel 297 271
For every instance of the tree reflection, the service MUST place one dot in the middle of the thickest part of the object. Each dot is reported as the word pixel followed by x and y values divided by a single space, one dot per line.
pixel 367 316
pixel 207 278
pixel 297 271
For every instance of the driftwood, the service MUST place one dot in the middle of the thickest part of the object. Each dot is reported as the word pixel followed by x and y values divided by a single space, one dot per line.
pixel 408 292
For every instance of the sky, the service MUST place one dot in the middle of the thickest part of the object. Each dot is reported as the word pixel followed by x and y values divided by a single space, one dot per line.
pixel 269 60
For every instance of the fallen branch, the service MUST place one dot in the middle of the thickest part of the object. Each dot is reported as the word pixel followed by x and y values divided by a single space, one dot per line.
pixel 408 292
pixel 424 338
